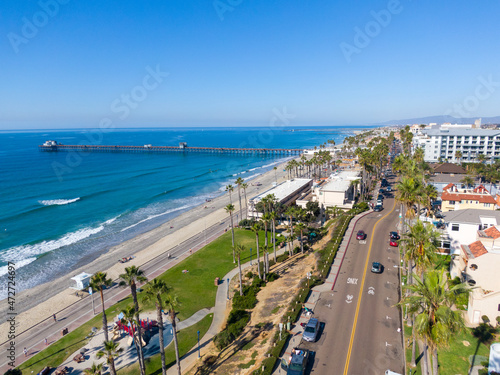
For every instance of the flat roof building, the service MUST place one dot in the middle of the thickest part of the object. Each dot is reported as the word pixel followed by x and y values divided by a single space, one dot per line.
pixel 285 193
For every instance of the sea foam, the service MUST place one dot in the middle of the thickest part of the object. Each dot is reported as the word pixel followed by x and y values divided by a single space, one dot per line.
pixel 58 202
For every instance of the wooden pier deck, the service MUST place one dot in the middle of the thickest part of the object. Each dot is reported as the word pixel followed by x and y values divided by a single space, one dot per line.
pixel 163 149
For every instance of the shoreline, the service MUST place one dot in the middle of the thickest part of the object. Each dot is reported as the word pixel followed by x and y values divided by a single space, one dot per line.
pixel 39 303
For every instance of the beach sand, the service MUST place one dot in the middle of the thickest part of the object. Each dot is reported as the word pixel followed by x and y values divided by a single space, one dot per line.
pixel 39 303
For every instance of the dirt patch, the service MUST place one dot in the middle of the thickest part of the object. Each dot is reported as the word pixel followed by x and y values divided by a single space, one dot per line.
pixel 247 353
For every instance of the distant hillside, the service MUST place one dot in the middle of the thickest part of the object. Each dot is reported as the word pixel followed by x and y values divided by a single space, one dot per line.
pixel 442 119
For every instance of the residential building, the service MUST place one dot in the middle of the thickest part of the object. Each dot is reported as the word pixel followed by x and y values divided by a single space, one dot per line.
pixel 444 142
pixel 462 226
pixel 478 264
pixel 338 191
pixel 454 199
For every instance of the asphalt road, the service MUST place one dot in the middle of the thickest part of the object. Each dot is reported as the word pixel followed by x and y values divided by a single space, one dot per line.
pixel 361 324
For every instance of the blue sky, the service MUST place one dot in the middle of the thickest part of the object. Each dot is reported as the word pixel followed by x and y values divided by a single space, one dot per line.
pixel 76 63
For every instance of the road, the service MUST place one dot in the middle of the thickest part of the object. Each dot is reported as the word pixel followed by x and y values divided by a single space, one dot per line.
pixel 80 312
pixel 361 332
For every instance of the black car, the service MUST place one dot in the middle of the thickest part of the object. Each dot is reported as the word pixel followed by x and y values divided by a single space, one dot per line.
pixel 394 236
pixel 377 267
pixel 380 197
pixel 378 208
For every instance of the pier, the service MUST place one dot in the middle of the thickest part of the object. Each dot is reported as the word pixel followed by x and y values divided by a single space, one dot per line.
pixel 53 146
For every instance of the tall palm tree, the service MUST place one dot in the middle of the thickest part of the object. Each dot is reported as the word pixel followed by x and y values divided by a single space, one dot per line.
pixel 99 281
pixel 130 278
pixel 95 369
pixel 230 209
pixel 255 228
pixel 171 303
pixel 420 245
pixel 458 155
pixel 300 227
pixel 436 322
pixel 290 212
pixel 430 195
pixel 275 175
pixel 110 351
pixel 273 215
pixel 468 181
pixel 129 318
pixel 266 220
pixel 238 250
pixel 230 189
pixel 244 186
pixel 155 291
pixel 239 181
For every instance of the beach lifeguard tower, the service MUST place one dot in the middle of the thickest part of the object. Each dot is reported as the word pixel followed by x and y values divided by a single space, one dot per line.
pixel 82 281
pixel 183 145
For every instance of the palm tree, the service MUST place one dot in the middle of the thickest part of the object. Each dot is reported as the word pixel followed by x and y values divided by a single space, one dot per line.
pixel 408 190
pixel 244 186
pixel 130 278
pixel 171 303
pixel 432 301
pixel 155 291
pixel 230 189
pixel 99 281
pixel 238 182
pixel 420 245
pixel 110 351
pixel 430 195
pixel 255 228
pixel 300 228
pixel 290 212
pixel 266 219
pixel 128 318
pixel 230 209
pixel 95 369
pixel 458 155
pixel 468 181
pixel 273 215
pixel 238 250
pixel 275 175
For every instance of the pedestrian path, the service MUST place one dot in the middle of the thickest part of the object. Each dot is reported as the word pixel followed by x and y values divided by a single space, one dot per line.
pixel 328 285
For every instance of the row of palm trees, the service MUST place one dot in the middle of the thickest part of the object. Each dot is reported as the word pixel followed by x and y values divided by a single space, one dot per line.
pixel 428 298
pixel 156 291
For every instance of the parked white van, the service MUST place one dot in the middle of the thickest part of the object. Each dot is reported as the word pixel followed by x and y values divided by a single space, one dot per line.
pixel 389 372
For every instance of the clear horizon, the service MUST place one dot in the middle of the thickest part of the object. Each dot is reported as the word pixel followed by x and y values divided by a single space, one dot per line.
pixel 237 63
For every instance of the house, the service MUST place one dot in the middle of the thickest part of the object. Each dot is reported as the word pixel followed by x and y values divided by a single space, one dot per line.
pixel 447 168
pixel 338 191
pixel 454 199
pixel 440 181
pixel 478 264
pixel 462 226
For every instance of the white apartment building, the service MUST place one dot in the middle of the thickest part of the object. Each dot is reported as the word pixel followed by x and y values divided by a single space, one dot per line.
pixel 444 143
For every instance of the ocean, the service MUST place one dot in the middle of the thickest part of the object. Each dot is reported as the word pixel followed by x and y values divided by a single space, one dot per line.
pixel 59 209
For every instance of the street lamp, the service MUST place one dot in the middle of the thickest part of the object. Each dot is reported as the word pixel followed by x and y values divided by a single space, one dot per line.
pixel 228 288
pixel 250 256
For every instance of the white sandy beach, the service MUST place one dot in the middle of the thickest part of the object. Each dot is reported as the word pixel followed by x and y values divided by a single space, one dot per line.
pixel 38 303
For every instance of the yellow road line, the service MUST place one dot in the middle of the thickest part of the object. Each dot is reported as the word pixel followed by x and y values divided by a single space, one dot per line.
pixel 346 368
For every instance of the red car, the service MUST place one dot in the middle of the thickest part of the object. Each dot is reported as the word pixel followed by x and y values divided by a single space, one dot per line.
pixel 393 243
pixel 361 235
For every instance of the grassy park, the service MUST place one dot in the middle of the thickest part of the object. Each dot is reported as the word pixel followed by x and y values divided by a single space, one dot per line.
pixel 195 290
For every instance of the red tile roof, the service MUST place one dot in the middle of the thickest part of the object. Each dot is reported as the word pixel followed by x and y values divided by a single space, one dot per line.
pixel 448 186
pixel 480 189
pixel 492 232
pixel 481 198
pixel 477 249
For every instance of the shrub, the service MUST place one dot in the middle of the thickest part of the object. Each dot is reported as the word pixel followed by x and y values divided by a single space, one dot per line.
pixel 282 257
pixel 249 275
pixel 236 323
pixel 272 276
pixel 13 371
pixel 247 301
pixel 485 319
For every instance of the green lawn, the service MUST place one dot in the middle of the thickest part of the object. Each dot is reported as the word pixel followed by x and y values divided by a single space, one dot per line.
pixel 195 290
pixel 453 359
pixel 187 340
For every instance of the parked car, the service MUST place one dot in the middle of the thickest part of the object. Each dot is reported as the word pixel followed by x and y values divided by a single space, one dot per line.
pixel 388 188
pixel 381 190
pixel 378 208
pixel 381 197
pixel 394 235
pixel 361 235
pixel 297 363
pixel 393 243
pixel 377 267
pixel 311 330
